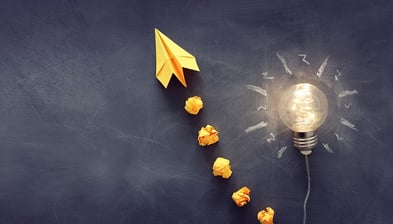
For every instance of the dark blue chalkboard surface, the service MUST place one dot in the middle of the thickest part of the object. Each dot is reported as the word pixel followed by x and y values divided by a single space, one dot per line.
pixel 88 135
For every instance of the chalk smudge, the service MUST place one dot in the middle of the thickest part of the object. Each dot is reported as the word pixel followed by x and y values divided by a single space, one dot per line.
pixel 338 75
pixel 271 138
pixel 257 89
pixel 348 124
pixel 256 127
pixel 348 93
pixel 327 147
pixel 304 58
pixel 281 151
pixel 322 67
pixel 264 76
pixel 338 137
pixel 284 63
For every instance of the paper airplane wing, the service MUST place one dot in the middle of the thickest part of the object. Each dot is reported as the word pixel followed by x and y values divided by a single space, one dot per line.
pixel 185 59
pixel 163 66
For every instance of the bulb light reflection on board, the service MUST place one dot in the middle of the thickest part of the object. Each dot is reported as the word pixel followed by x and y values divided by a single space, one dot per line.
pixel 303 109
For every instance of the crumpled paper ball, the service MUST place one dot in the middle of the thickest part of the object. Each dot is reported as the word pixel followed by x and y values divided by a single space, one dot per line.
pixel 193 105
pixel 207 135
pixel 222 167
pixel 241 197
pixel 266 216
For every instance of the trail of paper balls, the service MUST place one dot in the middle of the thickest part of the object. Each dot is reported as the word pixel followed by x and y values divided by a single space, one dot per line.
pixel 208 135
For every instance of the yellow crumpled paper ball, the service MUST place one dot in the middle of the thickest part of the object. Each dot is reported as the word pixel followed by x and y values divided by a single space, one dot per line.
pixel 222 167
pixel 266 216
pixel 241 197
pixel 207 135
pixel 193 105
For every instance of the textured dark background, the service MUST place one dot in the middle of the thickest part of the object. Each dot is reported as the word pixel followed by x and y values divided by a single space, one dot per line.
pixel 88 135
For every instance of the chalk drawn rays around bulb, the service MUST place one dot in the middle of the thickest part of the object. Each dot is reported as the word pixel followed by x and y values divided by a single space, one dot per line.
pixel 303 108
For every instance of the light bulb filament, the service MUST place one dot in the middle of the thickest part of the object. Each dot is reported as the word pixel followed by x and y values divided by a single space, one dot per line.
pixel 303 108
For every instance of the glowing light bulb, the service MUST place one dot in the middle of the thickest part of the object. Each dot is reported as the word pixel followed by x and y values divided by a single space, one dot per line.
pixel 303 108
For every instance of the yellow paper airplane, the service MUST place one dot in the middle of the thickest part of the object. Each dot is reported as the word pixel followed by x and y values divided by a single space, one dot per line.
pixel 171 59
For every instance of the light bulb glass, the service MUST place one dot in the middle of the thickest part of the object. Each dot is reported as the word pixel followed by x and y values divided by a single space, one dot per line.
pixel 303 108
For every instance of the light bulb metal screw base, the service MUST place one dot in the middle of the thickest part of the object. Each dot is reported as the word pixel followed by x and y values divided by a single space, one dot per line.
pixel 305 141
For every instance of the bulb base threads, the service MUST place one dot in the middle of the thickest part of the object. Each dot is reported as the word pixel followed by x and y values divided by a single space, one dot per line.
pixel 305 141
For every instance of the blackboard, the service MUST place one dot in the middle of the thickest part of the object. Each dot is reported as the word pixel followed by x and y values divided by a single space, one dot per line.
pixel 88 135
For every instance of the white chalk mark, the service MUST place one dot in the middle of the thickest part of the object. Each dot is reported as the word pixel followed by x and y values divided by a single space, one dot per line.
pixel 257 89
pixel 281 151
pixel 262 107
pixel 347 105
pixel 322 67
pixel 304 58
pixel 338 74
pixel 327 147
pixel 256 127
pixel 338 137
pixel 271 138
pixel 284 63
pixel 348 124
pixel 348 93
pixel 264 76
